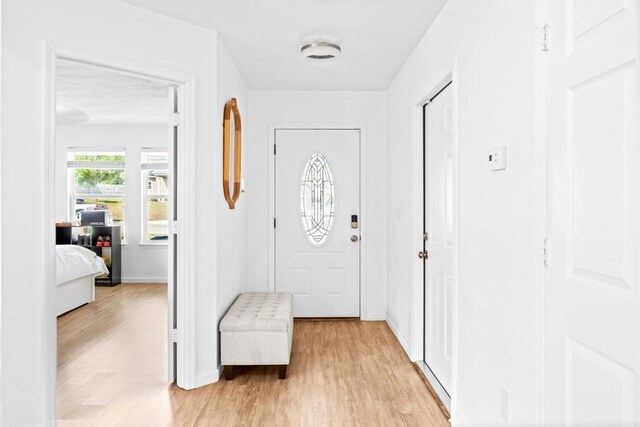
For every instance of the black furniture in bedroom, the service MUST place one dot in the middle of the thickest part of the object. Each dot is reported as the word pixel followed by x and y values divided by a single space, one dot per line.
pixel 94 238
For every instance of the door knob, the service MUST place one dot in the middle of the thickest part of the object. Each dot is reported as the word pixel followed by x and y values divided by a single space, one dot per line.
pixel 354 238
pixel 423 255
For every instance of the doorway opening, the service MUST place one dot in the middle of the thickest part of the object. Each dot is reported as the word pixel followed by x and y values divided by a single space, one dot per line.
pixel 119 169
pixel 113 198
pixel 438 242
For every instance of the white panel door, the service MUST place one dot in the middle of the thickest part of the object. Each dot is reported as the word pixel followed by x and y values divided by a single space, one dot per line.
pixel 317 192
pixel 439 223
pixel 593 301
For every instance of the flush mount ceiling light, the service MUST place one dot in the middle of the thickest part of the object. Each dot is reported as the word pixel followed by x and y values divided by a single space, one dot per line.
pixel 320 50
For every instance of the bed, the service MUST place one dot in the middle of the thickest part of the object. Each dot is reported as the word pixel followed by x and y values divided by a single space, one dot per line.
pixel 76 270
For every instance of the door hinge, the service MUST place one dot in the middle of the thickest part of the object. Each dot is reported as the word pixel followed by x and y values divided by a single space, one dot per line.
pixel 174 335
pixel 545 252
pixel 544 37
pixel 274 149
pixel 175 119
pixel 274 223
pixel 174 227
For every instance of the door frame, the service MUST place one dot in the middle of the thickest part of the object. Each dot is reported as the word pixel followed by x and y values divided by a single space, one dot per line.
pixel 418 194
pixel 185 287
pixel 361 127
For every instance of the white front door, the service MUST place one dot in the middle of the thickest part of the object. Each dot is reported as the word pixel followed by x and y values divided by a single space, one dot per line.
pixel 317 223
pixel 439 237
pixel 593 300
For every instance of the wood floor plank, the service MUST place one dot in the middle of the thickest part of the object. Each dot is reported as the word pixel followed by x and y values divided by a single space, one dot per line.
pixel 112 369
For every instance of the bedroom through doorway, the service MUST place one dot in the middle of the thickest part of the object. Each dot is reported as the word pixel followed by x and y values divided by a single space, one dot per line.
pixel 114 166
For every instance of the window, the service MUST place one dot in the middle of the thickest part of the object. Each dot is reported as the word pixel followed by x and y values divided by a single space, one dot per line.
pixel 317 199
pixel 97 182
pixel 155 199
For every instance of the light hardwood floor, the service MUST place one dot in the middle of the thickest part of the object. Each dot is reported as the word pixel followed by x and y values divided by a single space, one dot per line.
pixel 112 369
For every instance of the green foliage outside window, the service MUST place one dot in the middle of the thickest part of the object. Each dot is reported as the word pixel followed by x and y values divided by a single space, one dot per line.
pixel 93 177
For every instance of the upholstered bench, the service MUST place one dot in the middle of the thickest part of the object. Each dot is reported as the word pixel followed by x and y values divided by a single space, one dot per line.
pixel 257 330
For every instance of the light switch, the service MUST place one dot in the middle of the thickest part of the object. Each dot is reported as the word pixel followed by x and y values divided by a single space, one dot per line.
pixel 497 158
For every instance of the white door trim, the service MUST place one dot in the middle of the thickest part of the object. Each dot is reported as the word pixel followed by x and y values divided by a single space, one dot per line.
pixel 1 399
pixel 186 367
pixel 273 127
pixel 417 333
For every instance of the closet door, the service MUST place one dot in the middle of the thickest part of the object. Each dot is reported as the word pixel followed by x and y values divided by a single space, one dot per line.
pixel 594 214
pixel 439 240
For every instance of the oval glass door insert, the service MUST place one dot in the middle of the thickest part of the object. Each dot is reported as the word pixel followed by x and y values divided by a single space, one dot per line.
pixel 317 199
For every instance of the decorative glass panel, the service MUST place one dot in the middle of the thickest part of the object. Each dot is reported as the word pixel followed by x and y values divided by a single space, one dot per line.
pixel 317 199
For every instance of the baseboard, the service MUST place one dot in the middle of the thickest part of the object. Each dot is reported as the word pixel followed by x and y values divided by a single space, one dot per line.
pixel 373 317
pixel 162 279
pixel 209 377
pixel 435 388
pixel 403 342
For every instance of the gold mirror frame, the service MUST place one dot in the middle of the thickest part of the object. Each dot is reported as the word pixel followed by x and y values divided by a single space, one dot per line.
pixel 231 106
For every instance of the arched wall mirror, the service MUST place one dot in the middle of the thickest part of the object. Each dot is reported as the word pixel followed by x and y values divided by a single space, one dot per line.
pixel 228 125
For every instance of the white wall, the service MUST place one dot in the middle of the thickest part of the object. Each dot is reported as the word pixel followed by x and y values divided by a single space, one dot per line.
pixel 141 263
pixel 118 29
pixel 493 42
pixel 316 108
pixel 1 283
pixel 232 237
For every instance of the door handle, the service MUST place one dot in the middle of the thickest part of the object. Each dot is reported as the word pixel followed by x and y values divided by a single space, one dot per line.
pixel 354 238
pixel 423 255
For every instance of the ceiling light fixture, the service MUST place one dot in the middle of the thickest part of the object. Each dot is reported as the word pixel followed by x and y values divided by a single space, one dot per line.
pixel 320 50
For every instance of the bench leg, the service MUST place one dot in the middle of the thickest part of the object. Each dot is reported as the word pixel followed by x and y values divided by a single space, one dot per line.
pixel 228 373
pixel 282 372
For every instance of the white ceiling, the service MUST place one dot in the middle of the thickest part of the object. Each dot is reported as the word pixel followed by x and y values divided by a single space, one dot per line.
pixel 264 37
pixel 90 94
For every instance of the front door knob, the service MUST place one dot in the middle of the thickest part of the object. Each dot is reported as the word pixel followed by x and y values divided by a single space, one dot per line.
pixel 423 255
pixel 354 238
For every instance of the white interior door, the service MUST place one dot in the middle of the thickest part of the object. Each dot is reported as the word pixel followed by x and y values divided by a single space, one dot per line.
pixel 439 237
pixel 317 245
pixel 593 330
pixel 172 243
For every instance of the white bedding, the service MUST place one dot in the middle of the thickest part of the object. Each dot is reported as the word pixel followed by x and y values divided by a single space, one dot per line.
pixel 75 261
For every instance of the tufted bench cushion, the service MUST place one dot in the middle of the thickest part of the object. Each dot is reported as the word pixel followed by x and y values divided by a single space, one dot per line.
pixel 257 330
pixel 259 311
